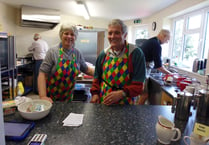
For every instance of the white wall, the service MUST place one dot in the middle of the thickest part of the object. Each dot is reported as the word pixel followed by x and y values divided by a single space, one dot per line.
pixel 9 22
pixel 163 18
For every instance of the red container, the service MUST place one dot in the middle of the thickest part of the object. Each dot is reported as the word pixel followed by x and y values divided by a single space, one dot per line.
pixel 183 85
pixel 178 79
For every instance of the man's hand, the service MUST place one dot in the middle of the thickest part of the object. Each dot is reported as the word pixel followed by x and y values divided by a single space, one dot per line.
pixel 113 97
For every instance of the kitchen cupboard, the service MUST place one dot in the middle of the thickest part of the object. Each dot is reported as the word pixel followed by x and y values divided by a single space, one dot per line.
pixel 166 99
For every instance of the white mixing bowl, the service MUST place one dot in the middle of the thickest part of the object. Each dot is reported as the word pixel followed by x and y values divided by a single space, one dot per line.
pixel 26 111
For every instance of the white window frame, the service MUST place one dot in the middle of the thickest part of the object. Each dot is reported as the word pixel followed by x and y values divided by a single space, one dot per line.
pixel 201 30
pixel 135 28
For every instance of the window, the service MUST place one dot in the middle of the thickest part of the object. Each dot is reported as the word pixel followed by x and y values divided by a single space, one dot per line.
pixel 139 32
pixel 190 38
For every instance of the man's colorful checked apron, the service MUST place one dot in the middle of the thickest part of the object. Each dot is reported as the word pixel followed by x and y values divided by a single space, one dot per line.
pixel 116 73
pixel 60 85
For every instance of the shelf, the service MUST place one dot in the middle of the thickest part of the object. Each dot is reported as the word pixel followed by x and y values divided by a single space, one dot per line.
pixel 5 87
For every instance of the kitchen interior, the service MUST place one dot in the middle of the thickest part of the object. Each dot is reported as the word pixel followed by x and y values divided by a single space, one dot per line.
pixel 186 55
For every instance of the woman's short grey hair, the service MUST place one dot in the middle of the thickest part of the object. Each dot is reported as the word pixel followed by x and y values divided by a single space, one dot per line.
pixel 67 27
pixel 118 22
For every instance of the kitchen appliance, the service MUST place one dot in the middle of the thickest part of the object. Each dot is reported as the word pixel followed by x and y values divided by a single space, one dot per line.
pixel 139 42
pixel 38 17
pixel 7 52
pixel 182 105
pixel 203 104
pixel 89 42
pixel 81 92
pixel 195 65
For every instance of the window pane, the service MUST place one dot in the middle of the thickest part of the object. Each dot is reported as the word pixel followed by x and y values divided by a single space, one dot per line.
pixel 141 33
pixel 206 47
pixel 194 22
pixel 190 49
pixel 178 38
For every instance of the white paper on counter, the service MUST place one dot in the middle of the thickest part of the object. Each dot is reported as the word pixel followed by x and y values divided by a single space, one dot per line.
pixel 73 119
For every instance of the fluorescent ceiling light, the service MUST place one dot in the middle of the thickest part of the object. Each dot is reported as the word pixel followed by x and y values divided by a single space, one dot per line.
pixel 83 9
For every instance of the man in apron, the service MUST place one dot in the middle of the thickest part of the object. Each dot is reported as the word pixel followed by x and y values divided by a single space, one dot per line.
pixel 120 69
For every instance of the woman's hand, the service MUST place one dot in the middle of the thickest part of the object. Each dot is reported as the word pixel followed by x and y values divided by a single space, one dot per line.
pixel 95 99
pixel 47 98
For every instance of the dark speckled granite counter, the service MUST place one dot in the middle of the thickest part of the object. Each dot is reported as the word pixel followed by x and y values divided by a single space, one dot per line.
pixel 104 125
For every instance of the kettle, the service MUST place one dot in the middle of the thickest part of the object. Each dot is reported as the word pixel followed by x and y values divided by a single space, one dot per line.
pixel 182 105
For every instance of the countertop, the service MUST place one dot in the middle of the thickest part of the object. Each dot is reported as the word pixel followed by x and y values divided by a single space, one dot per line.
pixel 104 125
pixel 170 89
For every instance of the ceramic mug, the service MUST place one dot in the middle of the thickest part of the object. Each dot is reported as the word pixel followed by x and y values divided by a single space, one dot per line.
pixel 195 139
pixel 166 131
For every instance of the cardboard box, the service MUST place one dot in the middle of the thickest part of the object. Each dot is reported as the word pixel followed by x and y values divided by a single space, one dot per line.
pixel 28 81
pixel 9 107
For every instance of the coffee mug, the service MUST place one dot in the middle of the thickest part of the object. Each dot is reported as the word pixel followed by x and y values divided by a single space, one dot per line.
pixel 166 131
pixel 190 89
pixel 196 139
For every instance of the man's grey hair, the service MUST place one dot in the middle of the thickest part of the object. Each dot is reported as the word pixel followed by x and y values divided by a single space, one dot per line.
pixel 164 32
pixel 67 27
pixel 36 36
pixel 119 22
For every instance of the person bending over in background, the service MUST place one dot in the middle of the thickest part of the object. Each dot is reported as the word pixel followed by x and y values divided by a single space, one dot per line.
pixel 39 48
pixel 152 51
pixel 120 69
pixel 61 66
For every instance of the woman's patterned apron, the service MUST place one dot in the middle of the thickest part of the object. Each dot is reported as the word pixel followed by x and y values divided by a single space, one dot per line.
pixel 60 85
pixel 116 73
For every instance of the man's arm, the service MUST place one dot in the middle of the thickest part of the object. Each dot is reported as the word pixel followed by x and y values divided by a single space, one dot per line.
pixel 164 70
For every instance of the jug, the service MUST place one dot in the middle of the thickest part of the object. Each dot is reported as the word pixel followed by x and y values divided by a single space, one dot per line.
pixel 203 104
pixel 182 105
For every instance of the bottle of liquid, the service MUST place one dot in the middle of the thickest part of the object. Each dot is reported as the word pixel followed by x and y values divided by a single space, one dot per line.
pixel 15 87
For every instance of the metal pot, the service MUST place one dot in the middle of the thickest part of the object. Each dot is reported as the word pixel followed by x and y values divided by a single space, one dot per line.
pixel 203 104
pixel 183 103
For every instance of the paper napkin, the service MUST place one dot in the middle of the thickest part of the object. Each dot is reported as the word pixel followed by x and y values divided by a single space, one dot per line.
pixel 73 119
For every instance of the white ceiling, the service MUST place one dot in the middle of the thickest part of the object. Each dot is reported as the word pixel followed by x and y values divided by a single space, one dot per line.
pixel 105 9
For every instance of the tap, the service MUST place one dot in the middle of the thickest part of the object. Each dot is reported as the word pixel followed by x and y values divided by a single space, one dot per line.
pixel 173 70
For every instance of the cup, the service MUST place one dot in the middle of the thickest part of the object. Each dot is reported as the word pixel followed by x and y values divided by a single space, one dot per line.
pixel 166 131
pixel 190 89
pixel 195 139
